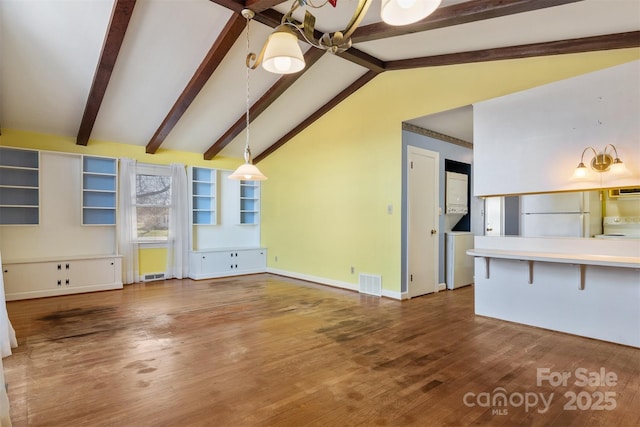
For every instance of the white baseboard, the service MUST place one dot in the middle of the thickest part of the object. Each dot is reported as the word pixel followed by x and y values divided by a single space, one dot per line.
pixel 441 287
pixel 330 282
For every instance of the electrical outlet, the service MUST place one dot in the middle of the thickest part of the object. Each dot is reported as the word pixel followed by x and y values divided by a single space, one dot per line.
pixel 390 209
pixel 353 270
pixel 276 258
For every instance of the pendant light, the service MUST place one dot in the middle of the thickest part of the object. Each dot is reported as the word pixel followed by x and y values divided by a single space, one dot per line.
pixel 247 171
pixel 282 53
pixel 404 12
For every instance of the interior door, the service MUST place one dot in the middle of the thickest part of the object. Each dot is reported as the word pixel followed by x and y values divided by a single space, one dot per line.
pixel 422 222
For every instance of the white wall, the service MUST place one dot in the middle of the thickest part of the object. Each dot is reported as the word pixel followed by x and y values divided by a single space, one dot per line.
pixel 531 141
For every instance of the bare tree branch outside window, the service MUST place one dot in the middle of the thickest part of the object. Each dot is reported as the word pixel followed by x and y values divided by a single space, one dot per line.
pixel 153 201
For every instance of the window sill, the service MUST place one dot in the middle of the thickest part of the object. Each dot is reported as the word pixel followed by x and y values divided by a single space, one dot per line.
pixel 148 244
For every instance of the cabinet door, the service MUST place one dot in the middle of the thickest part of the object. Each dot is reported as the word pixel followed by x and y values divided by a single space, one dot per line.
pixel 90 272
pixel 215 263
pixel 252 259
pixel 21 278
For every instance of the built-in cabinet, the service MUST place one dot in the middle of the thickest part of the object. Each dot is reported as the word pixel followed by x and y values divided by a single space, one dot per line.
pixel 43 278
pixel 208 264
pixel 19 187
pixel 225 225
pixel 58 195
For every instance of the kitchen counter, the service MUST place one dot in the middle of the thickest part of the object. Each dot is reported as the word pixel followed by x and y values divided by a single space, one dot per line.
pixel 588 287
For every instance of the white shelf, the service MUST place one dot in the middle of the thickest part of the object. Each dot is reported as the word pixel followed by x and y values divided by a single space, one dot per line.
pixel 19 187
pixel 203 196
pixel 249 202
pixel 99 190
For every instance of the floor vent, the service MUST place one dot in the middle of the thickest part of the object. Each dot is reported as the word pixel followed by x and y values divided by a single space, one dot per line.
pixel 153 276
pixel 370 284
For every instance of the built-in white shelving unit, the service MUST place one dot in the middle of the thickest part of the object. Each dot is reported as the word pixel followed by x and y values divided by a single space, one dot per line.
pixel 225 225
pixel 19 187
pixel 249 202
pixel 204 196
pixel 99 184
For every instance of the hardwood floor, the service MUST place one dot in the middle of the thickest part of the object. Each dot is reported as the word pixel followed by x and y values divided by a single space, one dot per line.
pixel 264 350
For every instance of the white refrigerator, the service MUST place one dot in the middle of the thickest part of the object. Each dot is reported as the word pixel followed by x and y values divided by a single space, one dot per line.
pixel 572 214
pixel 459 265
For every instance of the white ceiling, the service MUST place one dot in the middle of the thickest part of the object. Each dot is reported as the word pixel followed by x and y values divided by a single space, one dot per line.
pixel 49 50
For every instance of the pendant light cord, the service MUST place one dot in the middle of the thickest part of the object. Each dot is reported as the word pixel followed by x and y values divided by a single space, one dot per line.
pixel 247 150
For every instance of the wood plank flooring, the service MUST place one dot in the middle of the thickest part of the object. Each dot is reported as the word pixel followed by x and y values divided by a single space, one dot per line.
pixel 264 350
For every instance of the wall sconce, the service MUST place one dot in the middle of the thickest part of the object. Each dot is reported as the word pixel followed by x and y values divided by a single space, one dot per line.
pixel 601 162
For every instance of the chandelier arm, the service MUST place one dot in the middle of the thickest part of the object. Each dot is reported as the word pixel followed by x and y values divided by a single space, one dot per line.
pixel 356 19
pixel 612 146
pixel 287 18
pixel 310 4
pixel 253 60
pixel 308 27
pixel 313 42
pixel 595 153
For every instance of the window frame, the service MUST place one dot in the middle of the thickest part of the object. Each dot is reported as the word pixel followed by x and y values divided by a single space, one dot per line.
pixel 157 170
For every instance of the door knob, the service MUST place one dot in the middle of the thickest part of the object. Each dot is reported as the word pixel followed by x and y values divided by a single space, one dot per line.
pixel 433 232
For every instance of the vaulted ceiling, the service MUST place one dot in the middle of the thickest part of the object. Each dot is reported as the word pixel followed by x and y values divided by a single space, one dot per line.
pixel 170 74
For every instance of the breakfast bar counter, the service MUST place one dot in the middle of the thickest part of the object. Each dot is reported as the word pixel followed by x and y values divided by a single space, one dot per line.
pixel 587 287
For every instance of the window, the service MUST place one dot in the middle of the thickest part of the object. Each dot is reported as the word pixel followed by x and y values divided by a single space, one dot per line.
pixel 153 202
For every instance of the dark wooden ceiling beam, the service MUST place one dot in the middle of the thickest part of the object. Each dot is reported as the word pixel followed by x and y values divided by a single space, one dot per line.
pixel 456 14
pixel 255 5
pixel 366 78
pixel 260 5
pixel 120 17
pixel 310 57
pixel 560 47
pixel 236 6
pixel 218 51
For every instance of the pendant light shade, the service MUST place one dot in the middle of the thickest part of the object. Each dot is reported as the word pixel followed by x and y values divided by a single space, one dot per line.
pixel 282 53
pixel 403 12
pixel 247 172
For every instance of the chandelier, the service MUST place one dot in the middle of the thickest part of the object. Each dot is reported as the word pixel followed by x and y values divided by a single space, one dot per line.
pixel 281 52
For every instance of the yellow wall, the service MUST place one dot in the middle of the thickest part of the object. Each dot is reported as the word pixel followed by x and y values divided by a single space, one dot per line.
pixel 152 260
pixel 325 204
pixel 324 207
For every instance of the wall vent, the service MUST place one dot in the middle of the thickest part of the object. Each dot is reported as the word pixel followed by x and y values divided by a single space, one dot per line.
pixel 370 284
pixel 153 276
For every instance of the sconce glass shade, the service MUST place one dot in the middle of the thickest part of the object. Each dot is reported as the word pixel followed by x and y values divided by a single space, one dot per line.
pixel 282 53
pixel 618 168
pixel 580 172
pixel 404 12
pixel 247 172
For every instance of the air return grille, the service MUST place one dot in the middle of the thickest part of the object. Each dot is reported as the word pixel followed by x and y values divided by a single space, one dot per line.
pixel 370 284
